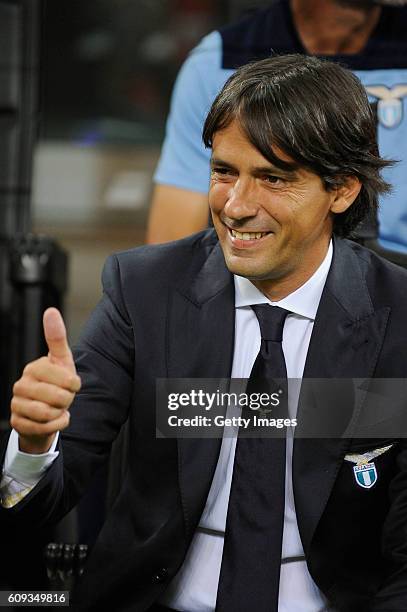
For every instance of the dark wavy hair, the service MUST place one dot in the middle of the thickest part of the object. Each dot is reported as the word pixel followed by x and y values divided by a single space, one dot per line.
pixel 317 112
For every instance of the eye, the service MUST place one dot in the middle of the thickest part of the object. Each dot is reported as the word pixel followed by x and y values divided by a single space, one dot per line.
pixel 273 179
pixel 220 170
pixel 222 173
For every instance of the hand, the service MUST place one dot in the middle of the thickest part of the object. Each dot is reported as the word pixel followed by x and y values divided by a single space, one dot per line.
pixel 44 393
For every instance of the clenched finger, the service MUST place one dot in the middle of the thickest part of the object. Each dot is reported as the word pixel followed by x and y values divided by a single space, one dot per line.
pixel 53 395
pixel 34 410
pixel 42 369
pixel 27 427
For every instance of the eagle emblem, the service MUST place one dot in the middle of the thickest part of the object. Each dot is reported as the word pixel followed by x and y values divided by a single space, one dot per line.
pixel 390 105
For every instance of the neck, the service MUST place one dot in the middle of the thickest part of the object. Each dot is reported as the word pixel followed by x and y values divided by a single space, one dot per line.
pixel 328 27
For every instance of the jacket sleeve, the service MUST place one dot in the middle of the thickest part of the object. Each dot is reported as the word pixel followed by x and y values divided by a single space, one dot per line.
pixel 392 595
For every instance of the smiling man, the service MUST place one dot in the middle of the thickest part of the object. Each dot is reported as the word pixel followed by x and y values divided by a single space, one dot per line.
pixel 239 524
pixel 283 176
pixel 274 224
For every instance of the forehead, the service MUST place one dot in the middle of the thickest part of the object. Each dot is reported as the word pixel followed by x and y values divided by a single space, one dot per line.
pixel 232 142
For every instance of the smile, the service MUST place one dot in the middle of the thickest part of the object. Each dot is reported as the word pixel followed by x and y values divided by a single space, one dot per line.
pixel 248 235
pixel 246 239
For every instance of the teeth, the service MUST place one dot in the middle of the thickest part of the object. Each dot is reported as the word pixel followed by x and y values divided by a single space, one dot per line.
pixel 248 235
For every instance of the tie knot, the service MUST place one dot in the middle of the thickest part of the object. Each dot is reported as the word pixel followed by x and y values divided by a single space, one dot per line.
pixel 271 320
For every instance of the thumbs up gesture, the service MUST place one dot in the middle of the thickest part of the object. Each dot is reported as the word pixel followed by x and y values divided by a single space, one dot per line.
pixel 44 393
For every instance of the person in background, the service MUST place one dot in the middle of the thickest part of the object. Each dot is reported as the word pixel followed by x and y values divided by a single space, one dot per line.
pixel 368 36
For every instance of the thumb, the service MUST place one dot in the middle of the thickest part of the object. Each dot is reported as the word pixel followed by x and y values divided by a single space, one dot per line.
pixel 55 335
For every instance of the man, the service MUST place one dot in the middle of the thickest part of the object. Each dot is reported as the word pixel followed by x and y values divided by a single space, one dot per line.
pixel 367 36
pixel 294 160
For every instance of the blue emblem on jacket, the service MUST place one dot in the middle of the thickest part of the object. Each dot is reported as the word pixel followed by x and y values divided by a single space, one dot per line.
pixel 366 475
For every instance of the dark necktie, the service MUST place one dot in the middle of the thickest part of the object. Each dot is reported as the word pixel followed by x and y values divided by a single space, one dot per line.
pixel 250 571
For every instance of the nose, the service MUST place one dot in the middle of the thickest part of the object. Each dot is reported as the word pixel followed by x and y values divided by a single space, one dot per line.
pixel 241 202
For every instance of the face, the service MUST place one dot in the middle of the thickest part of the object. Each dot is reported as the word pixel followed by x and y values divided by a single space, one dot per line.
pixel 274 226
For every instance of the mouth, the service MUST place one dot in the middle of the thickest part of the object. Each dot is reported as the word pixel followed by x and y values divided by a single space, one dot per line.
pixel 246 239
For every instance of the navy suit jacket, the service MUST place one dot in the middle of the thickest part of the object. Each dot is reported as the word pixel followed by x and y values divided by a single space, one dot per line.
pixel 168 311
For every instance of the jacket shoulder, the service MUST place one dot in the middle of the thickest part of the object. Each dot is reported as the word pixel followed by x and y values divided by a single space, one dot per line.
pixel 162 264
pixel 387 282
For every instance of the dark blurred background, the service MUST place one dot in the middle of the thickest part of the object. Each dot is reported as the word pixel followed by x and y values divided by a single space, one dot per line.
pixel 107 71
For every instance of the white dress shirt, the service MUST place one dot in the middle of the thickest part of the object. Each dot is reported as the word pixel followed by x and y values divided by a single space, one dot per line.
pixel 194 588
pixel 22 471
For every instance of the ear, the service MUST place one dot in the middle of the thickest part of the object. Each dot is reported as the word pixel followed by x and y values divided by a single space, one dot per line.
pixel 345 194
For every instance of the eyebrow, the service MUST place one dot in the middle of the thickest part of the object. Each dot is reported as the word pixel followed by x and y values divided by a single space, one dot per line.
pixel 271 169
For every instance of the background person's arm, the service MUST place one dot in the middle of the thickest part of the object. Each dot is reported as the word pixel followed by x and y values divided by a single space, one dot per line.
pixel 180 202
pixel 176 213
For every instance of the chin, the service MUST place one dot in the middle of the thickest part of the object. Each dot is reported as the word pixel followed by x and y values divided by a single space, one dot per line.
pixel 246 270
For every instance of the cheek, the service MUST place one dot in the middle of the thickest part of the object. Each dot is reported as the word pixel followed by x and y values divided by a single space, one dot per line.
pixel 282 210
pixel 217 196
pixel 309 208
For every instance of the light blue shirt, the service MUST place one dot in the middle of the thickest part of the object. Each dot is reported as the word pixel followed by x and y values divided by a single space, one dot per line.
pixel 184 161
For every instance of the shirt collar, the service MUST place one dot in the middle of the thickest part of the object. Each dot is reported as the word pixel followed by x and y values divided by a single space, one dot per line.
pixel 304 301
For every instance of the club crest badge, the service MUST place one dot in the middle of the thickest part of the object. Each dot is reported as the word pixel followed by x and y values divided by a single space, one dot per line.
pixel 390 103
pixel 365 475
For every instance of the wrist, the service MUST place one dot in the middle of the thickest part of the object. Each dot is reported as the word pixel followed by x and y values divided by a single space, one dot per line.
pixel 34 445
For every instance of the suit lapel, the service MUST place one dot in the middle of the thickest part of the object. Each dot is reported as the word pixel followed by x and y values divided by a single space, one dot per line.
pixel 200 345
pixel 345 343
